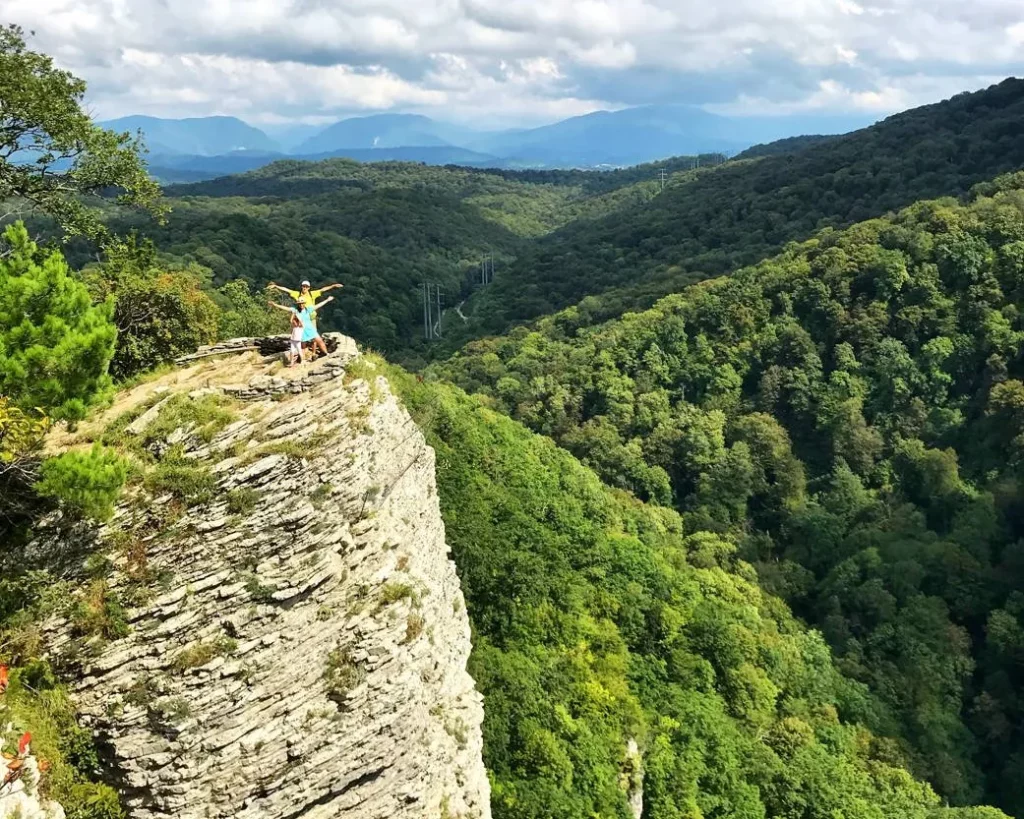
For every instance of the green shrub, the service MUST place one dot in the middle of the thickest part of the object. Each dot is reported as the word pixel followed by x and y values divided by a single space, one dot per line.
pixel 202 652
pixel 257 590
pixel 173 710
pixel 393 592
pixel 342 673
pixel 413 627
pixel 55 345
pixel 159 313
pixel 87 484
pixel 35 701
pixel 242 500
pixel 98 612
pixel 186 480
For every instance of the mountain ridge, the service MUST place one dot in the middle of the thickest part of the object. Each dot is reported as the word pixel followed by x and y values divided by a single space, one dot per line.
pixel 203 136
pixel 599 139
pixel 706 224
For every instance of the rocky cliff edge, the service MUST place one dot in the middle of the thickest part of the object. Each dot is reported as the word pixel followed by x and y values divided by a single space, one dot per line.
pixel 294 638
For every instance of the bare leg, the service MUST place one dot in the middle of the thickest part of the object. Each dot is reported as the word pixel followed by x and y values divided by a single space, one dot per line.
pixel 318 344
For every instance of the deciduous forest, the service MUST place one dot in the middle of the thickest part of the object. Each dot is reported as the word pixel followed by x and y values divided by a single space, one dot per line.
pixel 744 495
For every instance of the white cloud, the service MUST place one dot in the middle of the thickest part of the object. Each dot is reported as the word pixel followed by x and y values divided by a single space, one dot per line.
pixel 520 59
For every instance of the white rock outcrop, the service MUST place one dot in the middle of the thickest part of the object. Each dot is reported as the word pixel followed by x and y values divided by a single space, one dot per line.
pixel 302 651
pixel 19 799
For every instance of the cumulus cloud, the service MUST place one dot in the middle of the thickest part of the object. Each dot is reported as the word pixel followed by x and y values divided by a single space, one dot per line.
pixel 521 61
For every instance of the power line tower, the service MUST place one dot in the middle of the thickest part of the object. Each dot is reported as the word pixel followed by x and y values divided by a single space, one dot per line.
pixel 664 175
pixel 487 269
pixel 432 300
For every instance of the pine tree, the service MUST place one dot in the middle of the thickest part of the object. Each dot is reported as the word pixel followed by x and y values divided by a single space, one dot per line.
pixel 55 345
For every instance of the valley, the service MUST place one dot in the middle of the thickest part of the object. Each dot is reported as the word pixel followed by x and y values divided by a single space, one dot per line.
pixel 714 490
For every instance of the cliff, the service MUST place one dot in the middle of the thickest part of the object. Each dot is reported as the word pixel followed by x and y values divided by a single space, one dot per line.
pixel 294 638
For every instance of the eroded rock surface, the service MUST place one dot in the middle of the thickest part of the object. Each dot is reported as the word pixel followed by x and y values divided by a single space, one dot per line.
pixel 297 644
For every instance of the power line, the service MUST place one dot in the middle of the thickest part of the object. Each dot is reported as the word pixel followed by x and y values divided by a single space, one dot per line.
pixel 432 311
pixel 487 269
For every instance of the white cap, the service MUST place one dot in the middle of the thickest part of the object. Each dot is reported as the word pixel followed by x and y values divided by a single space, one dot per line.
pixel 305 282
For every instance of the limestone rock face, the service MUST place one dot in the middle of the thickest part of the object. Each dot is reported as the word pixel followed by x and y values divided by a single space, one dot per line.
pixel 21 799
pixel 298 643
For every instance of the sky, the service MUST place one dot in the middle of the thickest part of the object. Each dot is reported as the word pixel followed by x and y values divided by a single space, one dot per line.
pixel 501 63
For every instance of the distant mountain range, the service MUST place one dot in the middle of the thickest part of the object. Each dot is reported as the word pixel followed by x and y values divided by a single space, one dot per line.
pixel 201 136
pixel 185 150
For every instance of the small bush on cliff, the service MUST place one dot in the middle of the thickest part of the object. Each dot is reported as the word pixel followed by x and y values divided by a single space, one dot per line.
pixel 86 484
pixel 242 500
pixel 341 673
pixel 187 481
pixel 203 652
pixel 35 701
pixel 98 612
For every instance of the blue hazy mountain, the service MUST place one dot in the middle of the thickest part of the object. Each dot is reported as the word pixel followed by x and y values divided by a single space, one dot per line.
pixel 623 137
pixel 290 135
pixel 645 133
pixel 197 136
pixel 170 168
pixel 386 131
pixel 206 147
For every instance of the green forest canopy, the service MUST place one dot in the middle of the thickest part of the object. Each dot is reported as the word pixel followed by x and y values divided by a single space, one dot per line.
pixel 708 224
pixel 558 237
pixel 850 412
pixel 381 229
pixel 597 620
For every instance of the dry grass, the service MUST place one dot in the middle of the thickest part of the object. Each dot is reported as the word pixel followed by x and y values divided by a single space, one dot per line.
pixel 220 371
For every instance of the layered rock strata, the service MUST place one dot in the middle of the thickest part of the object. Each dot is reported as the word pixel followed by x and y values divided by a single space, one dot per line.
pixel 297 642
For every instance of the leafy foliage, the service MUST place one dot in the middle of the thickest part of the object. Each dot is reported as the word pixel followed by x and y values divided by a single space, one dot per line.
pixel 87 483
pixel 159 314
pixel 55 345
pixel 51 153
pixel 35 700
pixel 244 314
pixel 21 432
pixel 850 413
pixel 597 620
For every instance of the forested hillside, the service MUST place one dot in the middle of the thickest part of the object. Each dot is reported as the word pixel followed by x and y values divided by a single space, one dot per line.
pixel 561 236
pixel 850 413
pixel 599 620
pixel 704 225
pixel 381 229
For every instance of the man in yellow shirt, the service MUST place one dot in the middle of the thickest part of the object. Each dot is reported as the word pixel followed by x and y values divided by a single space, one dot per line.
pixel 306 297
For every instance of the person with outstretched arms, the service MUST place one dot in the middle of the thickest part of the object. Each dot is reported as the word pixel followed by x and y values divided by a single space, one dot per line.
pixel 305 296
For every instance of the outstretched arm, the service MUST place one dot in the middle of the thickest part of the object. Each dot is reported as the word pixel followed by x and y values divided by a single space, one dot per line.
pixel 278 287
pixel 280 306
pixel 327 287
pixel 321 304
